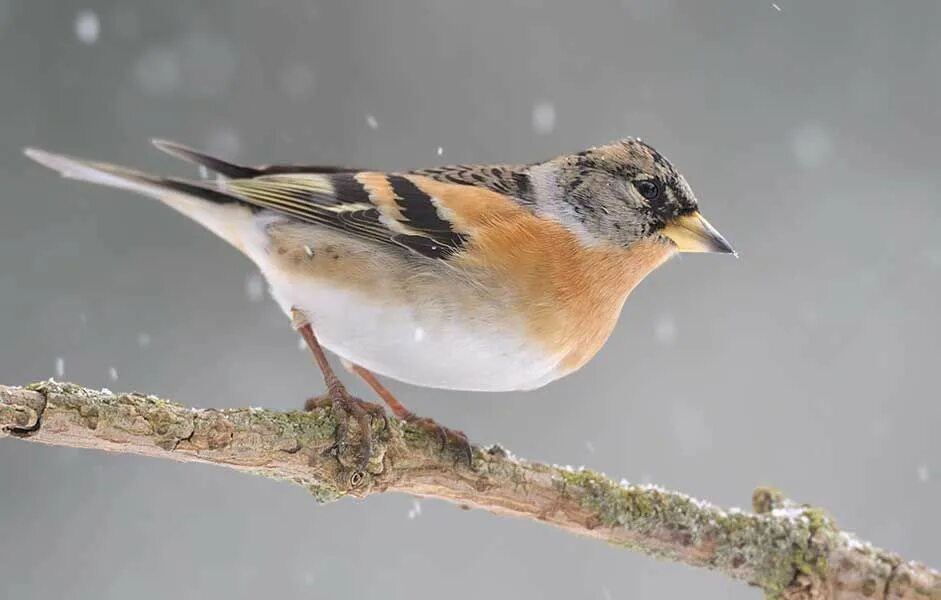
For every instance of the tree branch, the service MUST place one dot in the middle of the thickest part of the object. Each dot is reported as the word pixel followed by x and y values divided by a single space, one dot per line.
pixel 789 551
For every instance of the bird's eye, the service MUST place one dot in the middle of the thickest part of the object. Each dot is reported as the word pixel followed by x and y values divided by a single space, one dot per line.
pixel 649 189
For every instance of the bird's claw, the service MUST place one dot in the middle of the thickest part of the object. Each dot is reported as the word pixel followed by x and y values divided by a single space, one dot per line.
pixel 452 439
pixel 346 407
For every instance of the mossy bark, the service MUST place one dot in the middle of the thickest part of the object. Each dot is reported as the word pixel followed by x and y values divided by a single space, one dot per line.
pixel 789 551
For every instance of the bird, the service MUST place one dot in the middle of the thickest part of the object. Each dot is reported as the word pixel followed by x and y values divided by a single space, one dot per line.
pixel 491 278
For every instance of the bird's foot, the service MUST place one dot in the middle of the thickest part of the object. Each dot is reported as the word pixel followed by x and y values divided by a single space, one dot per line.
pixel 450 439
pixel 347 408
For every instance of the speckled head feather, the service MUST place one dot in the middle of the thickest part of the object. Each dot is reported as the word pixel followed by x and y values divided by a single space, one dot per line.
pixel 617 193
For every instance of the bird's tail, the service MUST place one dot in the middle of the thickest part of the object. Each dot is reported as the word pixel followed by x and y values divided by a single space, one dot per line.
pixel 217 165
pixel 206 202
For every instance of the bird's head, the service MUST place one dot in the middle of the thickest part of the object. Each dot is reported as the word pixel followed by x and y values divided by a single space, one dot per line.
pixel 624 192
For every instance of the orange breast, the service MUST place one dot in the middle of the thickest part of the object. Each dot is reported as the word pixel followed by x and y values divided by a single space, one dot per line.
pixel 571 294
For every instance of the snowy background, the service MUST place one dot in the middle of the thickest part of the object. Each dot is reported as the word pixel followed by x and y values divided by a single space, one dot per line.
pixel 809 130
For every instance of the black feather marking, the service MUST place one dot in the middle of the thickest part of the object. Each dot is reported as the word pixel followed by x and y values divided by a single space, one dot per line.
pixel 523 191
pixel 420 213
pixel 417 206
pixel 348 189
pixel 206 193
pixel 212 163
pixel 347 206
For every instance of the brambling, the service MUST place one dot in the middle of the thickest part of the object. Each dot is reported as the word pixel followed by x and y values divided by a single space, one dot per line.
pixel 467 277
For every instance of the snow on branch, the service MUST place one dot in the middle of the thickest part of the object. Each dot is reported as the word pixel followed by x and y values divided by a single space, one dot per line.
pixel 789 551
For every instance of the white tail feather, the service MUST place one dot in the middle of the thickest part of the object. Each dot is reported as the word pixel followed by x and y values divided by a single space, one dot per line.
pixel 232 222
pixel 94 172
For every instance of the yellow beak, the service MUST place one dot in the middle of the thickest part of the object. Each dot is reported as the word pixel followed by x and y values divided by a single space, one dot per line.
pixel 693 233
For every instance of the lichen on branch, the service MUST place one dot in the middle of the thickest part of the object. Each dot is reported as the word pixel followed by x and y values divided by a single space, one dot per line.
pixel 787 550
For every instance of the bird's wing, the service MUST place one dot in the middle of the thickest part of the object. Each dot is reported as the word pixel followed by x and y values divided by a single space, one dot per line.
pixel 390 208
pixel 430 217
pixel 511 180
pixel 430 211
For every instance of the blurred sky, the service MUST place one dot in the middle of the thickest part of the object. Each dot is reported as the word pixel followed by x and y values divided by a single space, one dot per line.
pixel 809 131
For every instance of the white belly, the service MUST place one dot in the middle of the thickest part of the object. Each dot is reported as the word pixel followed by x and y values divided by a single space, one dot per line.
pixel 433 340
pixel 424 345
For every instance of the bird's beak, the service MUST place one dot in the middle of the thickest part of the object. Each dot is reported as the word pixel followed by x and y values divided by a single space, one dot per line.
pixel 693 233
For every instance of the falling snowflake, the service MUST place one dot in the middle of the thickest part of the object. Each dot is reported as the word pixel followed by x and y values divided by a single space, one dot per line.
pixel 372 122
pixel 254 287
pixel 543 117
pixel 419 334
pixel 811 145
pixel 60 366
pixel 143 339
pixel 112 373
pixel 665 329
pixel 415 511
pixel 923 473
pixel 87 27
pixel 776 7
pixel 440 150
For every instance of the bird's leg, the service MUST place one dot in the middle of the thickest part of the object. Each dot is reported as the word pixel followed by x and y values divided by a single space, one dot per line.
pixel 398 409
pixel 449 437
pixel 343 404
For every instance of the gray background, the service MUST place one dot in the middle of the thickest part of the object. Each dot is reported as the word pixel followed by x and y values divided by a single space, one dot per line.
pixel 809 133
